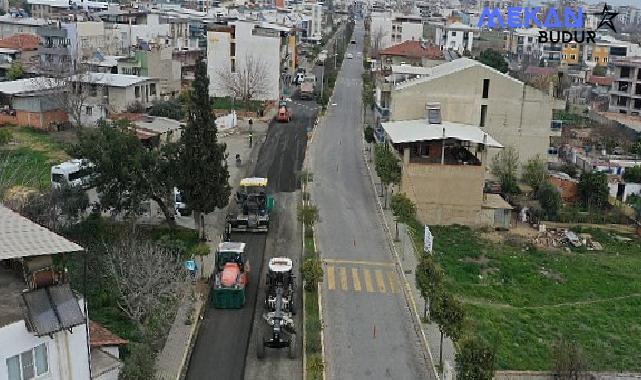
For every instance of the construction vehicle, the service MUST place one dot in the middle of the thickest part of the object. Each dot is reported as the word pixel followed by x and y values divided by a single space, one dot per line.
pixel 284 114
pixel 231 274
pixel 253 206
pixel 307 87
pixel 279 308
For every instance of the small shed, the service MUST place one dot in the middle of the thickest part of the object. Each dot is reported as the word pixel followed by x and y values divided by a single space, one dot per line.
pixel 496 212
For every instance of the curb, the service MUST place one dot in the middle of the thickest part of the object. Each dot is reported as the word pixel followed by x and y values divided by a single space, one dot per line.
pixel 407 290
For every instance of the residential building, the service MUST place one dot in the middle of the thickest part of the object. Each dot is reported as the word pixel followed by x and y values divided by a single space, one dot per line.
pixel 35 102
pixel 456 36
pixel 105 352
pixel 625 93
pixel 60 9
pixel 43 324
pixel 389 28
pixel 114 93
pixel 413 53
pixel 571 54
pixel 10 25
pixel 157 62
pixel 513 113
pixel 56 49
pixel 443 166
pixel 240 46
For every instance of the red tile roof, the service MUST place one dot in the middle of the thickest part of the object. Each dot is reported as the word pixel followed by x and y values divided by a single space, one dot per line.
pixel 20 42
pixel 413 49
pixel 600 81
pixel 100 336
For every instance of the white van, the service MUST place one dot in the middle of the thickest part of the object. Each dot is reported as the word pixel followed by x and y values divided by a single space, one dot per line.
pixel 75 172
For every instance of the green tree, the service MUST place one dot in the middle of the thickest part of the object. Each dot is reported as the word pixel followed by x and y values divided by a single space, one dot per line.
pixel 139 364
pixel 550 200
pixel 312 273
pixel 388 167
pixel 504 166
pixel 568 361
pixel 600 71
pixel 632 174
pixel 495 59
pixel 171 109
pixel 203 167
pixel 368 134
pixel 593 190
pixel 308 215
pixel 56 208
pixel 449 314
pixel 475 360
pixel 403 208
pixel 429 280
pixel 15 71
pixel 535 172
pixel 128 173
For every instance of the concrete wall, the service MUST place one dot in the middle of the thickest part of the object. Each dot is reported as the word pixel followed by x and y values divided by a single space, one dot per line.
pixel 444 194
pixel 218 61
pixel 517 115
pixel 67 352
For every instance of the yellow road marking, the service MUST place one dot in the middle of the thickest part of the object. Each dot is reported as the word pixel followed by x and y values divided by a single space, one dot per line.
pixel 393 284
pixel 356 280
pixel 380 281
pixel 368 281
pixel 343 274
pixel 359 262
pixel 331 281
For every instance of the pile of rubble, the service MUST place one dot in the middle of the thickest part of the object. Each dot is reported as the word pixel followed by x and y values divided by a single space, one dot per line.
pixel 564 238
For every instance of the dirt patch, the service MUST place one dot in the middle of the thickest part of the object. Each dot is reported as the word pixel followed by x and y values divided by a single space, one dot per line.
pixel 481 260
pixel 554 276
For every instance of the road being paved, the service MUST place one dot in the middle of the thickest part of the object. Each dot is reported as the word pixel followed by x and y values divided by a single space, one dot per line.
pixel 224 335
pixel 368 329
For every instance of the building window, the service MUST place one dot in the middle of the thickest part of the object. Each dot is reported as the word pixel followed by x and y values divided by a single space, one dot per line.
pixel 483 115
pixel 486 88
pixel 89 110
pixel 625 72
pixel 137 91
pixel 233 65
pixel 572 56
pixel 453 34
pixel 152 88
pixel 29 364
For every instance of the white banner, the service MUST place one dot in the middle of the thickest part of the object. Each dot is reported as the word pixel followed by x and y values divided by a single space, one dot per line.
pixel 428 240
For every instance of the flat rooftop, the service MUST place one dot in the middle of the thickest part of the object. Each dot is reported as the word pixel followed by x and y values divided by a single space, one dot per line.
pixel 11 305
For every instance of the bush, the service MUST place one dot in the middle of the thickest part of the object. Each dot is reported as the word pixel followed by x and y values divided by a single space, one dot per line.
pixel 5 136
pixel 593 190
pixel 139 365
pixel 632 174
pixel 312 273
pixel 369 134
pixel 171 109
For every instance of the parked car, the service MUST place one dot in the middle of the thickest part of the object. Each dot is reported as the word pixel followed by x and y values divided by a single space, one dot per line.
pixel 349 56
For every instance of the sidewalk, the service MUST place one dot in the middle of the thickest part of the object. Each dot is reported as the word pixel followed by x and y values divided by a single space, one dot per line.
pixel 408 261
pixel 171 362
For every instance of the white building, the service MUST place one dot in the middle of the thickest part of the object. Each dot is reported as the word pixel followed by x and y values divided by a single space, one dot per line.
pixel 456 36
pixel 390 28
pixel 233 48
pixel 43 329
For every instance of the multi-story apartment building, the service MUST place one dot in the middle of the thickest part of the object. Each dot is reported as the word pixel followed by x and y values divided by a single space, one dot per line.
pixel 625 93
pixel 15 25
pixel 388 28
pixel 242 46
pixel 60 9
pixel 456 36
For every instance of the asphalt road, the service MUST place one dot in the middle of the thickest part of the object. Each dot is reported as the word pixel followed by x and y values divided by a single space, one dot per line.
pixel 224 335
pixel 368 329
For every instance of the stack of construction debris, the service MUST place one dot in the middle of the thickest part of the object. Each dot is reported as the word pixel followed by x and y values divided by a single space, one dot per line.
pixel 560 238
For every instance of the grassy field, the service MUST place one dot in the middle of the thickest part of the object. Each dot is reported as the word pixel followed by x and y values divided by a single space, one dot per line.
pixel 27 160
pixel 522 299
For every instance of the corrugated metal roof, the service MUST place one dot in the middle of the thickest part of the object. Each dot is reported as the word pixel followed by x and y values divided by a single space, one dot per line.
pixel 21 237
pixel 420 130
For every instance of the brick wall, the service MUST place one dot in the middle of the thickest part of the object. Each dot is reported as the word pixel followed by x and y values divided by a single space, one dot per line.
pixel 38 120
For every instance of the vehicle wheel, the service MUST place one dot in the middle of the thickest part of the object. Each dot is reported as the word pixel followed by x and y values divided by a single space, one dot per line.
pixel 292 347
pixel 260 349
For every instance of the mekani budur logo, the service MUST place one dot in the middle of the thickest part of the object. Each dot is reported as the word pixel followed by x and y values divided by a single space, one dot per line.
pixel 561 25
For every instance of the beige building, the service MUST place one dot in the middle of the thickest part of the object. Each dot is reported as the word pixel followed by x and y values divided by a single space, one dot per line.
pixel 471 93
pixel 443 170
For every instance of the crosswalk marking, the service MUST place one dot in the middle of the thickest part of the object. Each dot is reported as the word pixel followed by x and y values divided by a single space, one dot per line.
pixel 359 262
pixel 343 274
pixel 356 280
pixel 368 281
pixel 380 281
pixel 331 284
pixel 393 284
